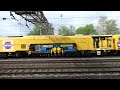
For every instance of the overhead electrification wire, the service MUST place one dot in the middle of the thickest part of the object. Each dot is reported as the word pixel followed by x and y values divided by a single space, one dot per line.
pixel 80 17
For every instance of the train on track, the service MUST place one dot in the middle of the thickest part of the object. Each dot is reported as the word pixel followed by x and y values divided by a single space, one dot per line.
pixel 57 45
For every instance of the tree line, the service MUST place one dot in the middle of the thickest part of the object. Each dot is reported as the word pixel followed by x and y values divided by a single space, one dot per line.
pixel 104 26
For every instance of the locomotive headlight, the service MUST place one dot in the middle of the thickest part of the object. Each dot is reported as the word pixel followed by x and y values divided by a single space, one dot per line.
pixel 119 44
pixel 29 52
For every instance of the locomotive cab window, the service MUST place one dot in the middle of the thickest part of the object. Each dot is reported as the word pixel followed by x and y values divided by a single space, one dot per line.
pixel 103 38
pixel 96 42
pixel 119 40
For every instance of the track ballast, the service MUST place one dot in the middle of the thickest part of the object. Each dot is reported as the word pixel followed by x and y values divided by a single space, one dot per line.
pixel 64 68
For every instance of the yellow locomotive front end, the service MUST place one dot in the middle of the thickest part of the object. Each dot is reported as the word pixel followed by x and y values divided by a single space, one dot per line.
pixel 12 46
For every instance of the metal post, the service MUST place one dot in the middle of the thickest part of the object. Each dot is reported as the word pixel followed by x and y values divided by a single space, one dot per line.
pixel 39 31
pixel 61 19
pixel 20 26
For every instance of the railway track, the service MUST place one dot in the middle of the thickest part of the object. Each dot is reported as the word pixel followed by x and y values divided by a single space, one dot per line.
pixel 62 58
pixel 64 68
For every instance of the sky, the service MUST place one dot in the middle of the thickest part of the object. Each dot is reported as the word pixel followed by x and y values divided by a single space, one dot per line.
pixel 10 27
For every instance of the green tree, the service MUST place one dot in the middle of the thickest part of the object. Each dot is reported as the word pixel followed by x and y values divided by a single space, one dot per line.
pixel 35 31
pixel 72 30
pixel 65 31
pixel 106 26
pixel 42 30
pixel 87 30
pixel 111 27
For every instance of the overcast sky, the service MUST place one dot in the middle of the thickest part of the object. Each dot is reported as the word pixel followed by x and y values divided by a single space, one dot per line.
pixel 11 27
